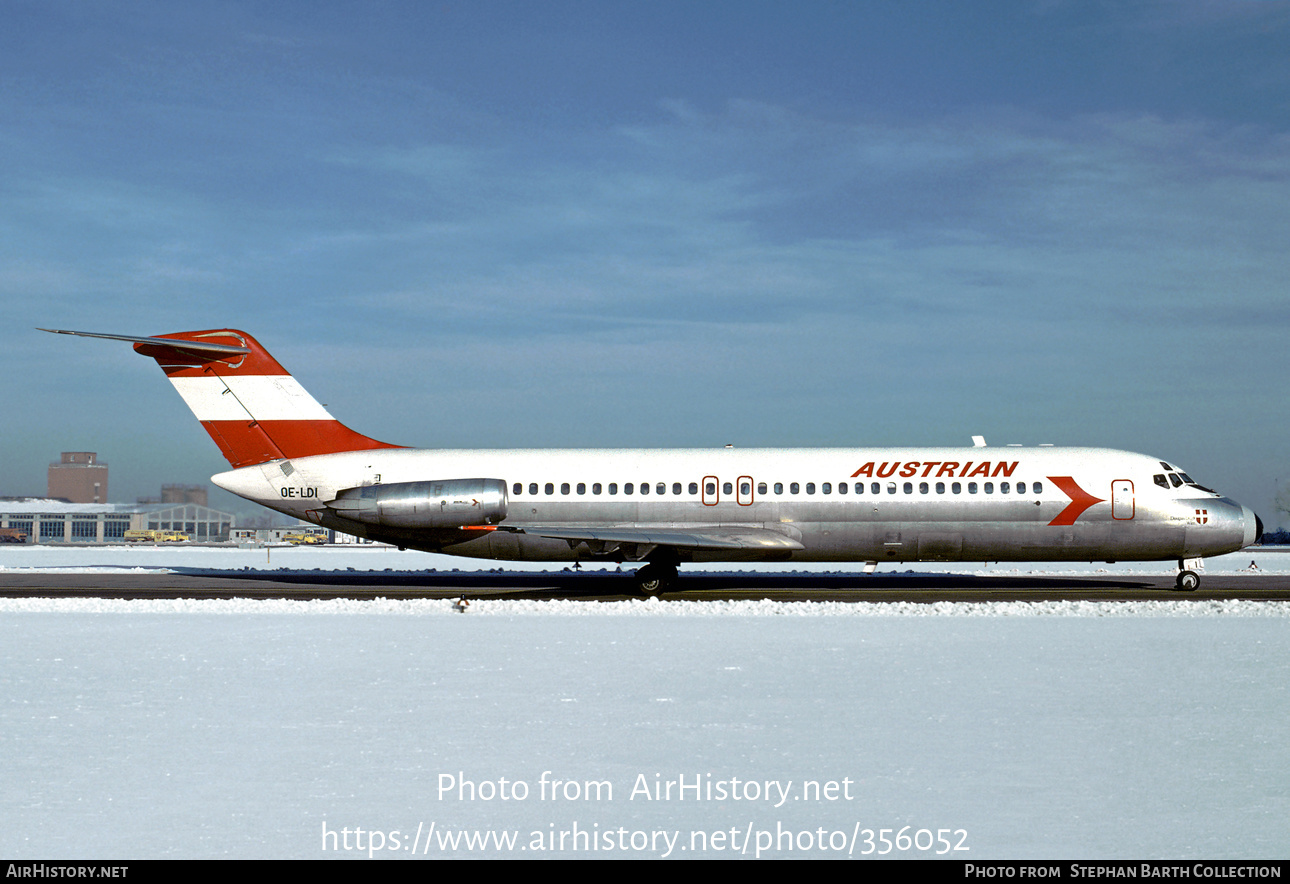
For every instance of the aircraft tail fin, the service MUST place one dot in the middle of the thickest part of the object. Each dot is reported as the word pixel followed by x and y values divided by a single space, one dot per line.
pixel 248 403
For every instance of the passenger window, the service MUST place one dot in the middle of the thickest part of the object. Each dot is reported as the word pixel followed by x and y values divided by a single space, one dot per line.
pixel 989 488
pixel 727 488
pixel 745 488
pixel 761 487
pixel 779 487
pixel 613 487
pixel 676 488
pixel 550 488
pixel 940 487
pixel 533 488
pixel 891 487
pixel 595 488
pixel 1037 487
pixel 694 487
pixel 957 487
pixel 628 488
pixel 810 487
pixel 859 488
pixel 971 488
pixel 1021 487
pixel 564 487
pixel 793 488
pixel 1004 487
pixel 582 487
pixel 710 488
pixel 826 488
pixel 644 488
pixel 842 488
pixel 922 487
pixel 909 488
pixel 518 487
pixel 662 488
pixel 875 488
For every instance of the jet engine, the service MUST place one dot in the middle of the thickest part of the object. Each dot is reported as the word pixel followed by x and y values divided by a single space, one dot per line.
pixel 452 503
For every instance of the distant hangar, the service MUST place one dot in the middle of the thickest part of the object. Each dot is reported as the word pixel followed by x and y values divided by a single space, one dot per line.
pixel 55 521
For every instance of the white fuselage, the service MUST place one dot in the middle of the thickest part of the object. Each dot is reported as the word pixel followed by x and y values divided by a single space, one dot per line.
pixel 838 504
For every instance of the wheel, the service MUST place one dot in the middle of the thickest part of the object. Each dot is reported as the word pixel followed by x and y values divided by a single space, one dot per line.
pixel 648 583
pixel 1188 581
pixel 654 580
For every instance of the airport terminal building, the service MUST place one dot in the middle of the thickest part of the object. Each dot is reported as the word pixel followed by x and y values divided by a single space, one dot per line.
pixel 54 521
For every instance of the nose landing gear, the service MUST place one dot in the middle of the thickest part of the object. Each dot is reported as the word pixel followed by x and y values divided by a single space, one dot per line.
pixel 1187 580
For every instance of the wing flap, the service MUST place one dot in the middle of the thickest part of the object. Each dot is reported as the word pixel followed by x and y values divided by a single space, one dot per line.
pixel 716 537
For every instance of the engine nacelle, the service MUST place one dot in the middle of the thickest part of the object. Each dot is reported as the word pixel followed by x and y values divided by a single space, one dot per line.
pixel 451 503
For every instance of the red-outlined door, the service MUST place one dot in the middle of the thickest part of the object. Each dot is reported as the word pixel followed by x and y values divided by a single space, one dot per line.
pixel 744 491
pixel 711 491
pixel 1122 503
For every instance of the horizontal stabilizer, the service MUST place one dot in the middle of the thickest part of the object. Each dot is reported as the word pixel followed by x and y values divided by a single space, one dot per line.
pixel 209 347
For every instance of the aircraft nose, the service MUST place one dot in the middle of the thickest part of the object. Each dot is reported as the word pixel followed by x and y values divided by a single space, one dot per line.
pixel 1223 526
pixel 1253 526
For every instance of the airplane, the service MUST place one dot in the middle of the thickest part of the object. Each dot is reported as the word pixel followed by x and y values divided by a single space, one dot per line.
pixel 663 508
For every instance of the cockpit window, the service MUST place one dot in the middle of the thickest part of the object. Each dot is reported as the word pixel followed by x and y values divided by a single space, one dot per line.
pixel 1178 479
pixel 1193 483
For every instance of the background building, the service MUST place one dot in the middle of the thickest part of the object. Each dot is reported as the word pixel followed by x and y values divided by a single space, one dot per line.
pixel 179 494
pixel 79 478
pixel 54 521
pixel 184 494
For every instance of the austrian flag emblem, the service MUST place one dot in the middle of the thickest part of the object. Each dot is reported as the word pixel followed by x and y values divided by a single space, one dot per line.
pixel 1202 516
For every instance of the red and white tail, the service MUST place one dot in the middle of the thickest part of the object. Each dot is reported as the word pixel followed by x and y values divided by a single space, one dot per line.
pixel 253 409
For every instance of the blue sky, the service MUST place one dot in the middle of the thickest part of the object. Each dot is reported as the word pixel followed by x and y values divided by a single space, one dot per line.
pixel 656 224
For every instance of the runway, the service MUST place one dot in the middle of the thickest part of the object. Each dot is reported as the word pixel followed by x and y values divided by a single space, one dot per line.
pixel 600 586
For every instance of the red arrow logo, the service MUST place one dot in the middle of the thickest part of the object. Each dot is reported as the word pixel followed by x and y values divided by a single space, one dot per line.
pixel 1080 500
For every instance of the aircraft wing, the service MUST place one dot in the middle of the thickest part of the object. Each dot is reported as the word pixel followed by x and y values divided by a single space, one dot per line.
pixel 722 537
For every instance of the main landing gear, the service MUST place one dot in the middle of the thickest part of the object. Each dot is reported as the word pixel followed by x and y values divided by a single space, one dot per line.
pixel 655 578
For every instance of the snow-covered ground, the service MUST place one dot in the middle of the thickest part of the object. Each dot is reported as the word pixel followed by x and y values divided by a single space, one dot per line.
pixel 296 729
